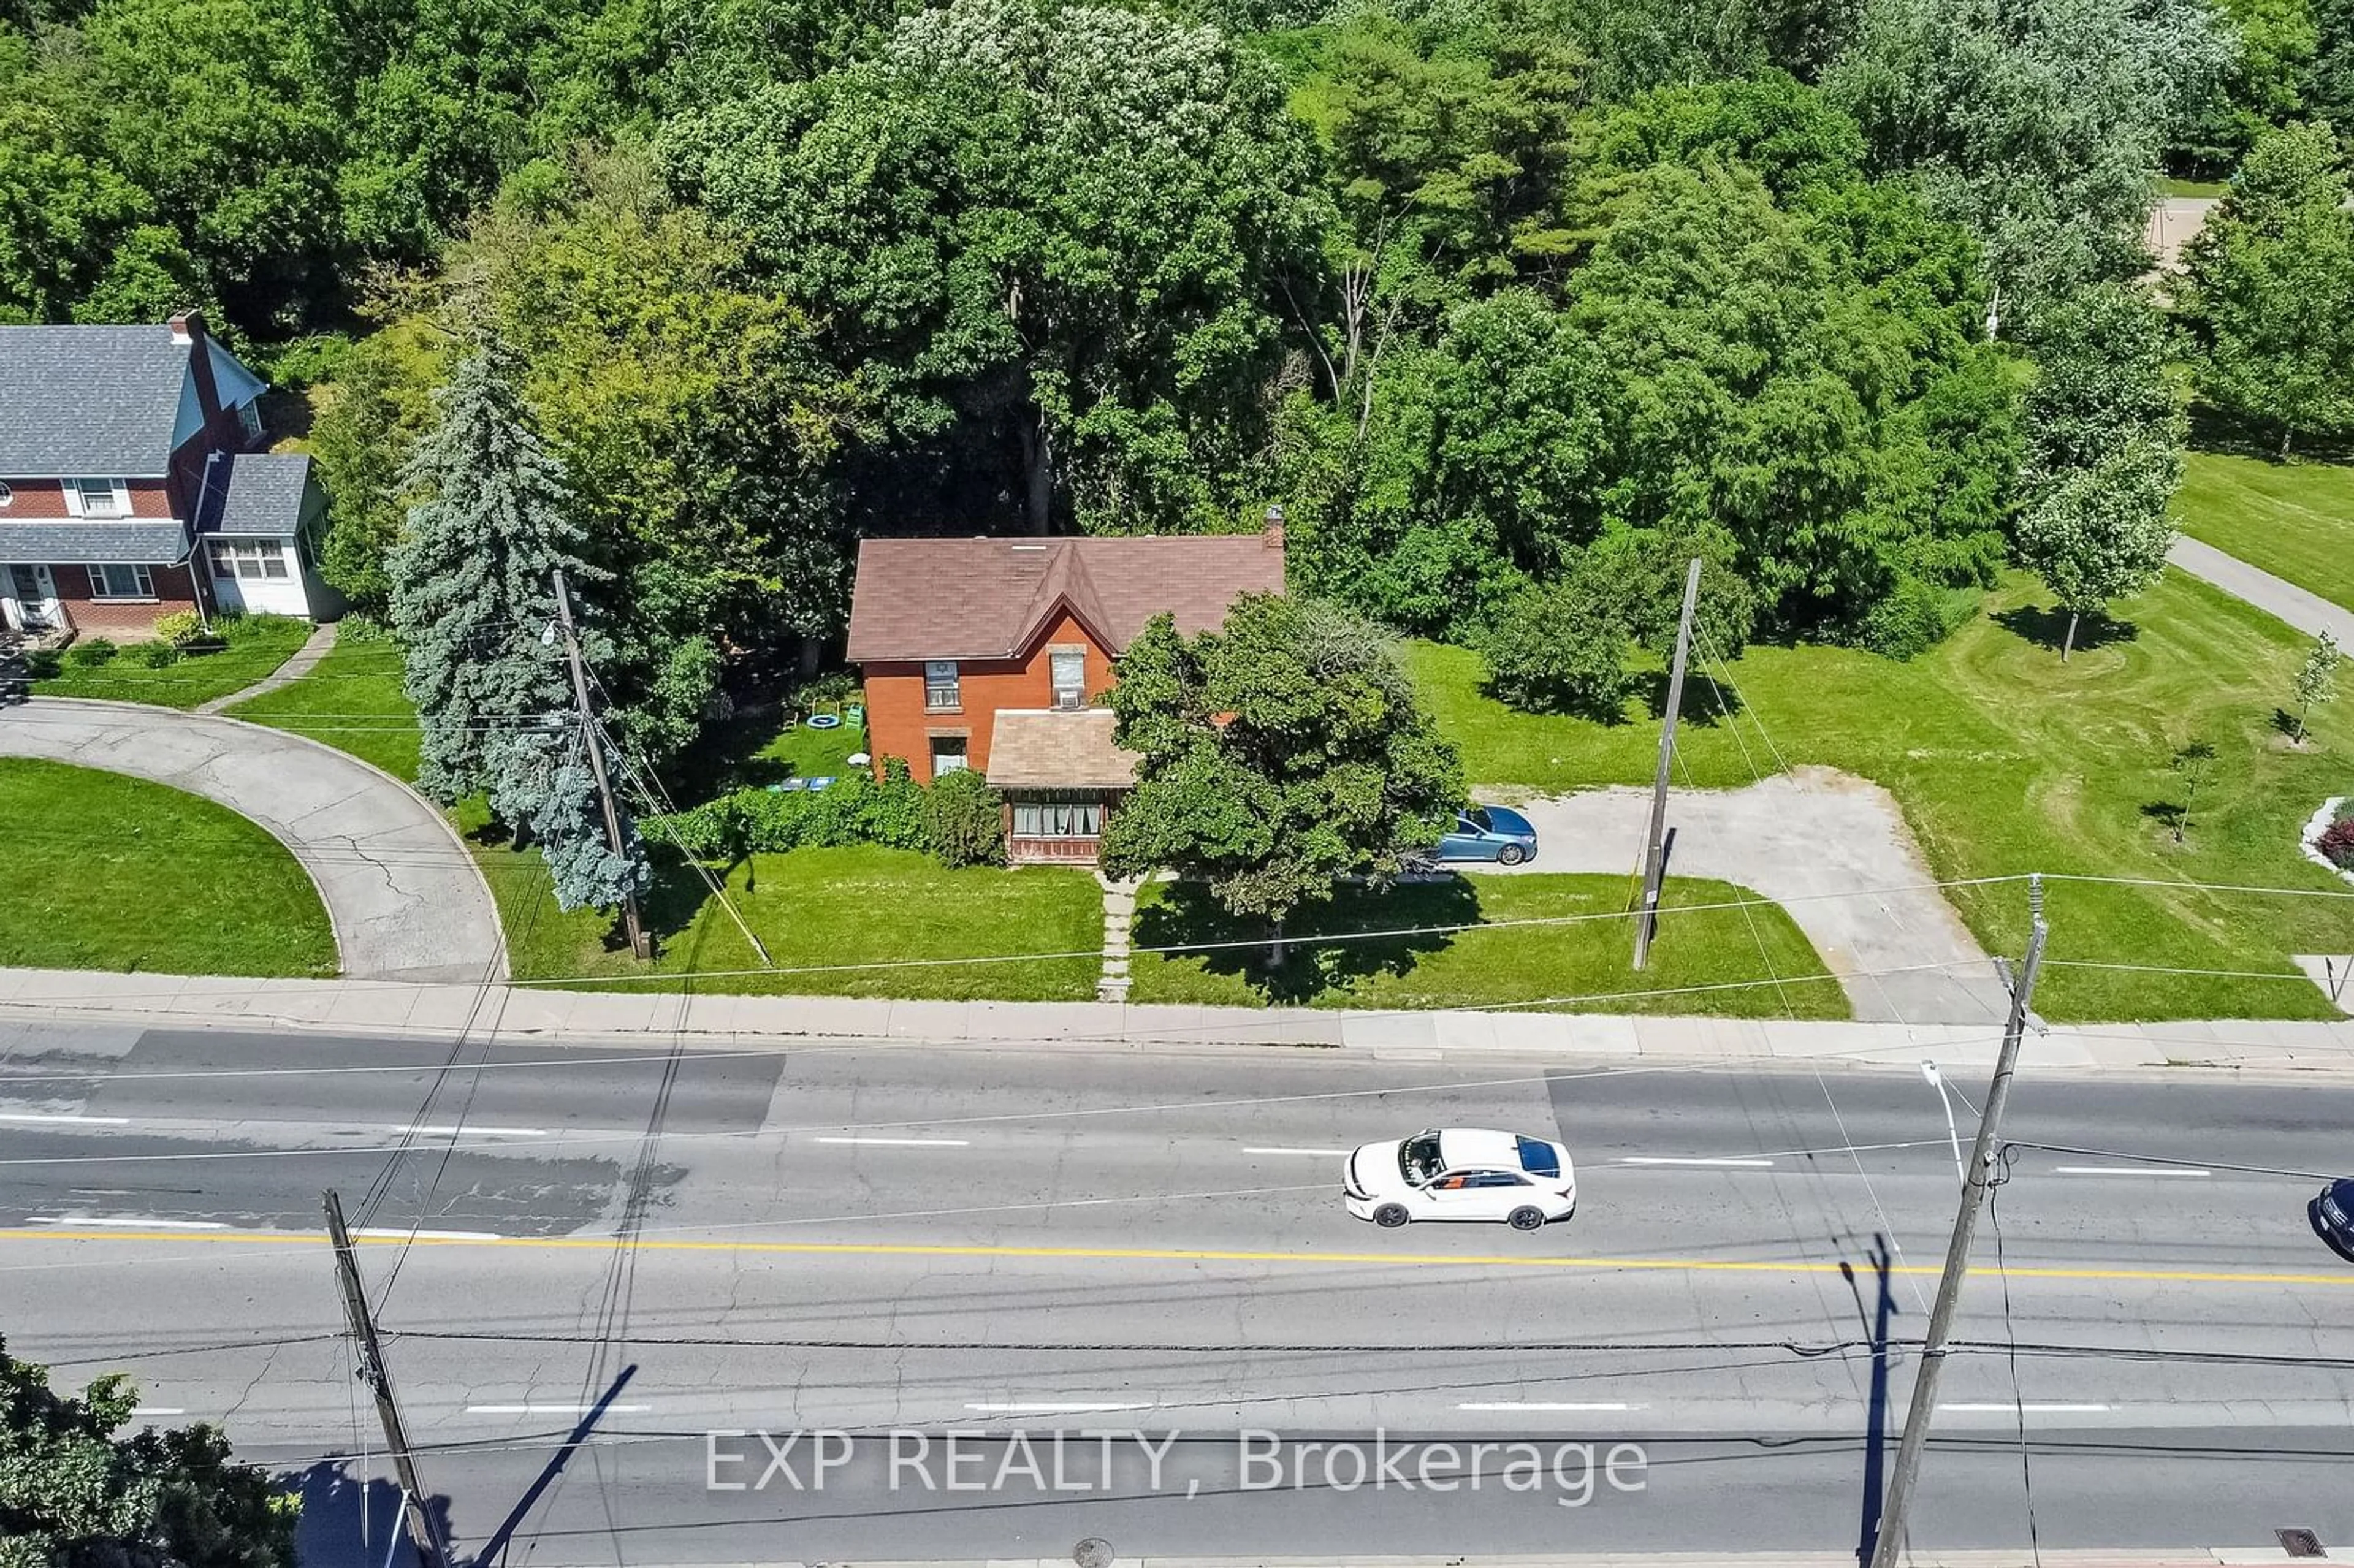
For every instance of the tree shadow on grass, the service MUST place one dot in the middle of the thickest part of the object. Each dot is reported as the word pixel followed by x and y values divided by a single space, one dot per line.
pixel 1186 917
pixel 2167 814
pixel 2046 626
pixel 1706 703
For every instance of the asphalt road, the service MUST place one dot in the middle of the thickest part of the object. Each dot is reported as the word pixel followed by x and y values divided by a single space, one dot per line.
pixel 902 1243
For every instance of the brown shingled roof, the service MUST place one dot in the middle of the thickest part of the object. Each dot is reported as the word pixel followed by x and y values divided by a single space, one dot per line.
pixel 988 598
pixel 1037 748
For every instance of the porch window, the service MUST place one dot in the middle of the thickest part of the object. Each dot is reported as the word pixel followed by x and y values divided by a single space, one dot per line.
pixel 1059 819
pixel 940 688
pixel 112 582
pixel 98 498
pixel 1070 670
pixel 249 558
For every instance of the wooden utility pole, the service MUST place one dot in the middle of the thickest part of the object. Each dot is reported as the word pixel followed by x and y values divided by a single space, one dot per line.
pixel 424 1533
pixel 1655 845
pixel 1917 1415
pixel 636 927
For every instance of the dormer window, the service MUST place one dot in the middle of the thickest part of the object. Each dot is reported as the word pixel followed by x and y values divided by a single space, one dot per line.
pixel 98 498
pixel 1069 667
pixel 249 420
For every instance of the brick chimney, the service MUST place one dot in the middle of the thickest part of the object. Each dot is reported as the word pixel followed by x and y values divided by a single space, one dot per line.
pixel 1273 536
pixel 188 333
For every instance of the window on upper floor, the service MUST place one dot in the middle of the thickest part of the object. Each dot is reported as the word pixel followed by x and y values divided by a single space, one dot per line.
pixel 1070 671
pixel 942 692
pixel 249 420
pixel 98 498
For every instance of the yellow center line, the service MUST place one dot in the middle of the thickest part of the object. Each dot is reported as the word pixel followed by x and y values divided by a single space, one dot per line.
pixel 1176 1254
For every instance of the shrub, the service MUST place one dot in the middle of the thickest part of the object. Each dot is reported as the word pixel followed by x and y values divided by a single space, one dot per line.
pixel 89 655
pixel 1560 648
pixel 155 655
pixel 2337 843
pixel 822 693
pixel 854 811
pixel 237 628
pixel 180 628
pixel 965 820
pixel 1915 617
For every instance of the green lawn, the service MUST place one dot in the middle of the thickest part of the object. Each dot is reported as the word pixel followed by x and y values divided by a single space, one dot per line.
pixel 2174 187
pixel 745 752
pixel 1584 956
pixel 111 872
pixel 2293 520
pixel 256 647
pixel 820 907
pixel 2006 761
pixel 352 701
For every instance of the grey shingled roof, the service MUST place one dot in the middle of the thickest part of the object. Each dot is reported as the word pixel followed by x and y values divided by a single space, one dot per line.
pixel 154 542
pixel 264 494
pixel 89 399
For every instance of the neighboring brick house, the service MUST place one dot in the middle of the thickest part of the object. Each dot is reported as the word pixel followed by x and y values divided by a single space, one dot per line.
pixel 130 486
pixel 991 654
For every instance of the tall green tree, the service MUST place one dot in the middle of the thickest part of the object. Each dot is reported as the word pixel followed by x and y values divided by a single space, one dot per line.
pixel 2037 122
pixel 472 580
pixel 1279 754
pixel 77 1488
pixel 2263 86
pixel 1051 234
pixel 2271 294
pixel 2105 433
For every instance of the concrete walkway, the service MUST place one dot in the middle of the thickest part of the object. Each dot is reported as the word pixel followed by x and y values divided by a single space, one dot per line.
pixel 29 998
pixel 305 659
pixel 1119 918
pixel 2309 612
pixel 405 899
pixel 1831 849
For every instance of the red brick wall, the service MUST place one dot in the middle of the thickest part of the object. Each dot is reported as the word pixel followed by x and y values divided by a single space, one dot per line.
pixel 117 617
pixel 36 500
pixel 898 725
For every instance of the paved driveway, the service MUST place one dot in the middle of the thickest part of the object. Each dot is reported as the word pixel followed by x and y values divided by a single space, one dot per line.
pixel 1808 839
pixel 405 897
pixel 2307 611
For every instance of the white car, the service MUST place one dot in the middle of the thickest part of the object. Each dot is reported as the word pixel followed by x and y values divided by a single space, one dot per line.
pixel 1461 1173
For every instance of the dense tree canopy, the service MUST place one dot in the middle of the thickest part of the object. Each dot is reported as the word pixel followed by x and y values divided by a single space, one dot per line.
pixel 1494 297
pixel 1049 234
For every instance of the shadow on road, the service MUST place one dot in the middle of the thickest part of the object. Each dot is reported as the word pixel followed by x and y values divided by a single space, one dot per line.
pixel 495 1547
pixel 1876 1429
pixel 352 1523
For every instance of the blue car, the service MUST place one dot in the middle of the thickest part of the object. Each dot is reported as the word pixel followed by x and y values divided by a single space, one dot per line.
pixel 1495 833
pixel 2332 1213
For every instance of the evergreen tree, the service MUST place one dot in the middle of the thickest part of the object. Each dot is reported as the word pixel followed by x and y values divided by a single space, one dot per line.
pixel 472 587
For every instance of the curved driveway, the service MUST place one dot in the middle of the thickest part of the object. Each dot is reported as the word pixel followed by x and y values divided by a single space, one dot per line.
pixel 1833 850
pixel 405 899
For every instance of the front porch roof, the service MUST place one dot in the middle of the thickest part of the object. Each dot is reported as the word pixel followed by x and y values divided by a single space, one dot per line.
pixel 144 542
pixel 1049 748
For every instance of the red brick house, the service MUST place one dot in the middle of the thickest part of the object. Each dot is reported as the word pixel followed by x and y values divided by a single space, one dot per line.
pixel 130 485
pixel 991 654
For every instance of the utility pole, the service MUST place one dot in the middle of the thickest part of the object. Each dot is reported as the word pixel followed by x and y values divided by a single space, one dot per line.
pixel 432 1552
pixel 1892 1517
pixel 1655 846
pixel 630 923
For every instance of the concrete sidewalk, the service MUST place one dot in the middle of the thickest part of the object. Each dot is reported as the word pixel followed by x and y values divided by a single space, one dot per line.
pixel 441 1010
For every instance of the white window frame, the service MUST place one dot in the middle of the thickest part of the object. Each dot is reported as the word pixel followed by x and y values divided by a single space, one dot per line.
pixel 957 762
pixel 943 687
pixel 1073 818
pixel 116 504
pixel 249 419
pixel 1074 694
pixel 101 588
pixel 250 560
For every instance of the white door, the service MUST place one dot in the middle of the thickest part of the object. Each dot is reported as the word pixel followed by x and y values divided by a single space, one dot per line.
pixel 34 595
